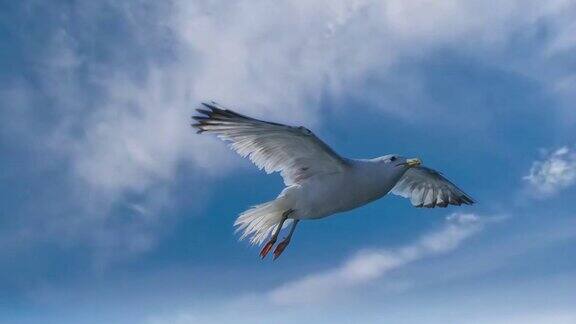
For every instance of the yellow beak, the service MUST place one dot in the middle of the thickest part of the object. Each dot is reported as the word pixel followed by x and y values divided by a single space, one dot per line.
pixel 413 162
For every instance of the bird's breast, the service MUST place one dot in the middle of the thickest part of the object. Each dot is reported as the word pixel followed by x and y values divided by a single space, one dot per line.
pixel 323 196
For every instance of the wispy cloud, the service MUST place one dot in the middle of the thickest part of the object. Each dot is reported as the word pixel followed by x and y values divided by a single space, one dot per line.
pixel 370 265
pixel 555 172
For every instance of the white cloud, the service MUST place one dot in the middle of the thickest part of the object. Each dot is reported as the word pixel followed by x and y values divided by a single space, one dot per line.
pixel 267 59
pixel 369 265
pixel 555 172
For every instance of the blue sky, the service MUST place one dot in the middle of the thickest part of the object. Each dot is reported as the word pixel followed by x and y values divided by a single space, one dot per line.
pixel 113 210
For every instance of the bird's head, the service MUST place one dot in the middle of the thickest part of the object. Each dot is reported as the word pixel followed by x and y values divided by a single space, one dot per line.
pixel 393 166
pixel 397 162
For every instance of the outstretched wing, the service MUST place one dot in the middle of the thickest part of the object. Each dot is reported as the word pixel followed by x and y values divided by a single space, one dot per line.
pixel 295 152
pixel 428 188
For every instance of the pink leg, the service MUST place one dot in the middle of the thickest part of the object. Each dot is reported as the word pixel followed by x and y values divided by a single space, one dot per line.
pixel 282 245
pixel 268 246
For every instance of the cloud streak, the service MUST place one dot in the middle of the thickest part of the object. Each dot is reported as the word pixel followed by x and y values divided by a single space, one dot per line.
pixel 370 265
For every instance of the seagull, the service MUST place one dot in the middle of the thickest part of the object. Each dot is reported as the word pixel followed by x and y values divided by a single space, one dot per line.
pixel 319 182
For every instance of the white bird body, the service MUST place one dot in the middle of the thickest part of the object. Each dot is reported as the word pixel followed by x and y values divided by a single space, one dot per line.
pixel 319 182
pixel 327 194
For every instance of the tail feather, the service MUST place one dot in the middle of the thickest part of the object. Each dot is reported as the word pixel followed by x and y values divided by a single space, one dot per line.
pixel 259 221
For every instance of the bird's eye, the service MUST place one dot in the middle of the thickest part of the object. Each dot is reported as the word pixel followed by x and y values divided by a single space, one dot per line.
pixel 392 159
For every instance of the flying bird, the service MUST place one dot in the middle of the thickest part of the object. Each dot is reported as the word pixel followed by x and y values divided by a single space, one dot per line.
pixel 319 182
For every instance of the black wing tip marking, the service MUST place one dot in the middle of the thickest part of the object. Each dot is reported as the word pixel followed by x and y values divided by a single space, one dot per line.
pixel 460 200
pixel 468 200
pixel 213 116
pixel 217 111
pixel 216 114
